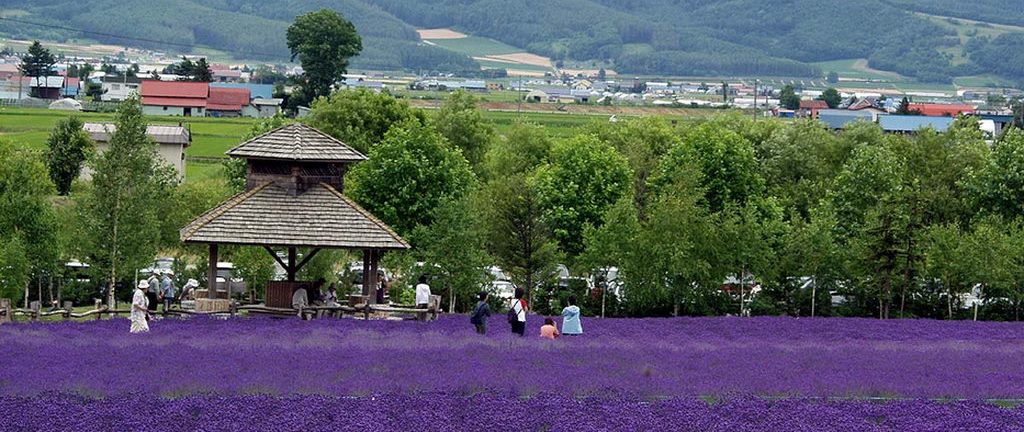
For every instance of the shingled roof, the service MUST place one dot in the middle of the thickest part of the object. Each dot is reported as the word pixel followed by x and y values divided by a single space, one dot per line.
pixel 296 142
pixel 269 215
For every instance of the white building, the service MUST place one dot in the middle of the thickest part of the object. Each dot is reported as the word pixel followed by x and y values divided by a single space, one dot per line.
pixel 171 142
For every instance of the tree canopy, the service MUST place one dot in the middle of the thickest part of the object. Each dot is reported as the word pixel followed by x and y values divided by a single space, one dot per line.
pixel 323 41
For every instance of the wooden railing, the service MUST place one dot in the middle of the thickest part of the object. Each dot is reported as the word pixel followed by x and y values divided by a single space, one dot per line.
pixel 363 310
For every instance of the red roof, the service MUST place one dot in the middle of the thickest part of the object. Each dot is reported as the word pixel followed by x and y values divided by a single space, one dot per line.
pixel 227 99
pixel 175 93
pixel 942 110
pixel 72 82
pixel 816 104
pixel 184 89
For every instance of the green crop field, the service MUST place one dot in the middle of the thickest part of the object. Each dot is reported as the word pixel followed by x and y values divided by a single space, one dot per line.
pixel 211 137
pixel 475 46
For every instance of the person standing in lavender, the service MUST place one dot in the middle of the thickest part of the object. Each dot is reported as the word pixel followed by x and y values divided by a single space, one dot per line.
pixel 140 309
pixel 480 314
pixel 167 290
pixel 517 313
pixel 571 324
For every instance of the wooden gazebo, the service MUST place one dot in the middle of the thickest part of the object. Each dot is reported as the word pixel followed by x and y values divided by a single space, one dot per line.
pixel 293 199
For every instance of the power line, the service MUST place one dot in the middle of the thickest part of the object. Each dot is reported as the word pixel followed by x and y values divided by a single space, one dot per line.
pixel 132 38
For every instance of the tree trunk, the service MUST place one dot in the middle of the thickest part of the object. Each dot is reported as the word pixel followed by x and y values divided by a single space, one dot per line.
pixel 949 301
pixel 742 281
pixel 814 294
pixel 49 283
pixel 39 289
pixel 451 299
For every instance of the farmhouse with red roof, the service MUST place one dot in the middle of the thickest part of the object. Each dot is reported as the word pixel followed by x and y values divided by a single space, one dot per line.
pixel 226 102
pixel 180 98
pixel 810 108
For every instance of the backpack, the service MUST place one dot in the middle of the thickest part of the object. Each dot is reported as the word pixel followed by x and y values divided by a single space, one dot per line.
pixel 476 317
pixel 513 315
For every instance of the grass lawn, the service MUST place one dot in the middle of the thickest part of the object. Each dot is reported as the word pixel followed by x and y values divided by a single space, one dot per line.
pixel 211 137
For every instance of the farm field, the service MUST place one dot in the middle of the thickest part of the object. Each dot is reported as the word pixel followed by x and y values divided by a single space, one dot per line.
pixel 211 137
pixel 769 374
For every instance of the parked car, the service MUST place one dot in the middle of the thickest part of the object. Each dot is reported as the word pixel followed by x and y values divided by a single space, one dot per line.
pixel 501 285
pixel 354 273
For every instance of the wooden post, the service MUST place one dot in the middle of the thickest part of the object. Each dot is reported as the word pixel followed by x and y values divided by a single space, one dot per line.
pixel 35 307
pixel 291 270
pixel 367 256
pixel 374 257
pixel 99 304
pixel 211 273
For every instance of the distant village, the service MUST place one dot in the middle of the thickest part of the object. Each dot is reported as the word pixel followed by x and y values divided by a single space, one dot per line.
pixel 235 91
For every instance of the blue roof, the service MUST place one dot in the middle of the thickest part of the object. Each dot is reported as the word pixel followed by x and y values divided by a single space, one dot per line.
pixel 910 123
pixel 838 119
pixel 256 91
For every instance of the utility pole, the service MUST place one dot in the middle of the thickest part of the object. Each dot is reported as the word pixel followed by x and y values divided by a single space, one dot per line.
pixel 755 99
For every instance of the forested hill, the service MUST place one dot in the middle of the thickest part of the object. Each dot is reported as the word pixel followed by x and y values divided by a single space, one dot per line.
pixel 932 40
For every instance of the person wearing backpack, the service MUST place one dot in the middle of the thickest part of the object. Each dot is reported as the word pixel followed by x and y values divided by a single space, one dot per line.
pixel 517 313
pixel 480 313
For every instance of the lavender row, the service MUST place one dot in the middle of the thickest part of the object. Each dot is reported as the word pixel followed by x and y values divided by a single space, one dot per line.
pixel 774 357
pixel 451 412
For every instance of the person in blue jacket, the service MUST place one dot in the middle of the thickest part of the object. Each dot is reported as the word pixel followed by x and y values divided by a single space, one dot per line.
pixel 571 324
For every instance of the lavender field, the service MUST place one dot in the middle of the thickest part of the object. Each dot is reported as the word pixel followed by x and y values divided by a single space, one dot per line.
pixel 639 374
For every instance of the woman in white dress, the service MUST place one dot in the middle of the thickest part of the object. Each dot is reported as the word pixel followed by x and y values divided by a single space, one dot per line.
pixel 140 311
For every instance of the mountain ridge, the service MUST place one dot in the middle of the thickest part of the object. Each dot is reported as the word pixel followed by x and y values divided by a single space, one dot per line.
pixel 667 37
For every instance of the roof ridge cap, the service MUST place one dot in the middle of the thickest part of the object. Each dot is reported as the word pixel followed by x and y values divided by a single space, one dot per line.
pixel 215 212
pixel 366 214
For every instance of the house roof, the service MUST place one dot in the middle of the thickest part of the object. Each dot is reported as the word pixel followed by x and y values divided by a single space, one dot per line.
pixel 947 110
pixel 162 134
pixel 265 91
pixel 269 215
pixel 227 99
pixel 838 119
pixel 297 141
pixel 175 89
pixel 816 104
pixel 911 123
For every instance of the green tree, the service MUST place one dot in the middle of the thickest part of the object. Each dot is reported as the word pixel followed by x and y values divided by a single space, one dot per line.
pixel 799 162
pixel 452 248
pixel 678 264
pixel 999 186
pixel 904 108
pixel 28 222
pixel 15 269
pixel 37 62
pixel 255 266
pixel 461 123
pixel 323 41
pixel 521 150
pixel 831 97
pixel 582 179
pixel 68 147
pixel 361 118
pixel 726 160
pixel 644 142
pixel 123 231
pixel 188 70
pixel 832 77
pixel 408 175
pixel 788 97
pixel 518 236
pixel 947 260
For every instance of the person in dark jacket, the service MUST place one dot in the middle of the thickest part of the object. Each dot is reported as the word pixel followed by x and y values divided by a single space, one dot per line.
pixel 480 314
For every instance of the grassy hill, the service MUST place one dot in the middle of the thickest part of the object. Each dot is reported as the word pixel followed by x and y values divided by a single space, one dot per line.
pixel 922 40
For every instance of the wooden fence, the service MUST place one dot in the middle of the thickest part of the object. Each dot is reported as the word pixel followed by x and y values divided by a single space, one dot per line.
pixel 364 311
